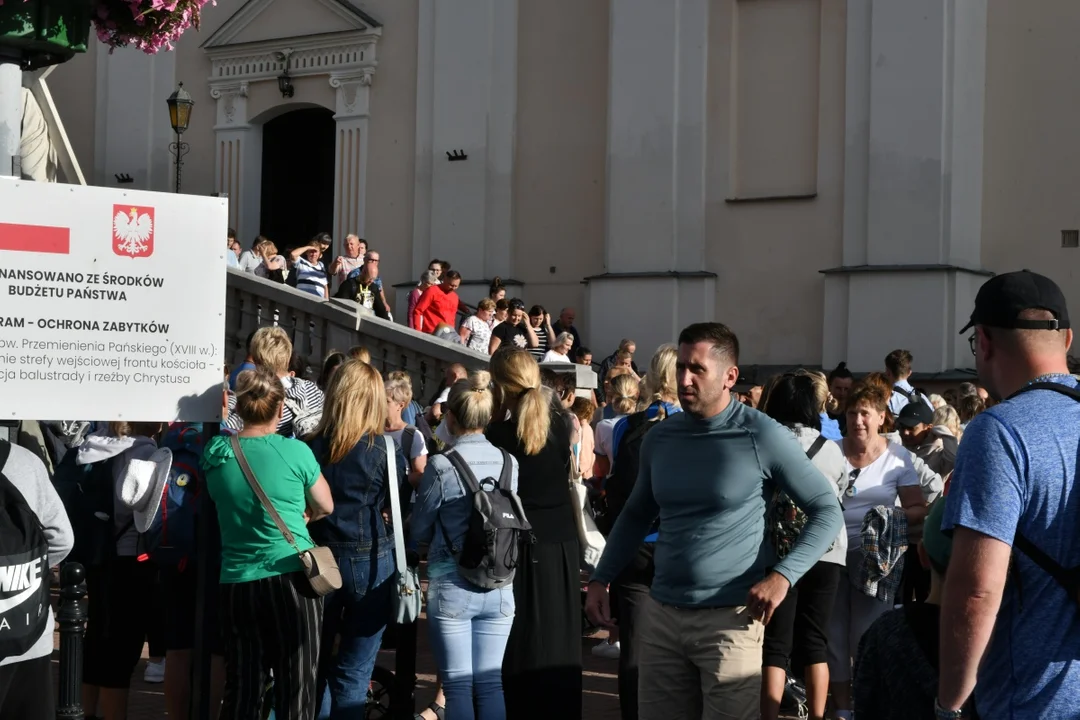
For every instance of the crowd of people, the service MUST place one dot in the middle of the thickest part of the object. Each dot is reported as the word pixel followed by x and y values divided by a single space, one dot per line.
pixel 847 546
pixel 433 307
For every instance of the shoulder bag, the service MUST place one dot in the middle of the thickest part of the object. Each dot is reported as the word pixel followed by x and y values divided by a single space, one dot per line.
pixel 406 598
pixel 589 536
pixel 320 566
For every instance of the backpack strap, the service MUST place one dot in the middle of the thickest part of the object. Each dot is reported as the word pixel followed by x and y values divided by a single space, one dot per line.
pixel 909 394
pixel 1072 392
pixel 819 442
pixel 407 438
pixel 507 473
pixel 463 470
pixel 1070 580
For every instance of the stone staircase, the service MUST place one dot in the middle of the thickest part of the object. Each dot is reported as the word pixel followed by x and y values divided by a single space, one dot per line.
pixel 319 327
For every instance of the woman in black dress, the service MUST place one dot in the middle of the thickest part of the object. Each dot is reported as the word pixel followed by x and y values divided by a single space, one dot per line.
pixel 542 664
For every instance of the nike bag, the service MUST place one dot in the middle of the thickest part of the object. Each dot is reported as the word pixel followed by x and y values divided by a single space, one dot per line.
pixel 24 568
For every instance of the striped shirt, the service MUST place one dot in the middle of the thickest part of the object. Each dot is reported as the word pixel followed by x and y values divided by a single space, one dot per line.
pixel 304 393
pixel 310 277
pixel 541 343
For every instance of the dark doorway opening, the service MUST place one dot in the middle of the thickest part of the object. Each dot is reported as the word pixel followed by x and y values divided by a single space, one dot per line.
pixel 297 177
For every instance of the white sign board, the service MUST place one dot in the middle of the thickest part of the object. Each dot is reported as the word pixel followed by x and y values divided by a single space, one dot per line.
pixel 112 304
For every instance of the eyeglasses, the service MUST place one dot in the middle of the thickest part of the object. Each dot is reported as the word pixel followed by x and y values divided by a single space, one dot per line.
pixel 373 261
pixel 972 341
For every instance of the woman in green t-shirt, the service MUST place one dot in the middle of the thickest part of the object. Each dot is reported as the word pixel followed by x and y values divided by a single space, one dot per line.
pixel 270 617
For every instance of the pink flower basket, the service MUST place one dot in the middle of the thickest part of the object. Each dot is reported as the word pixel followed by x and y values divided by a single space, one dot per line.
pixel 150 25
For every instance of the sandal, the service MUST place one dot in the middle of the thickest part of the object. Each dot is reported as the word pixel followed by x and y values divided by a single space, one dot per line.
pixel 439 710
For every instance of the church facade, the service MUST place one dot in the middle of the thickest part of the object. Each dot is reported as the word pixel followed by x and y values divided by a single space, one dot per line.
pixel 831 178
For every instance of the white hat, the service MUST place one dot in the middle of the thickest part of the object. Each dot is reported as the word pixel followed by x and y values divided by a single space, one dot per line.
pixel 143 485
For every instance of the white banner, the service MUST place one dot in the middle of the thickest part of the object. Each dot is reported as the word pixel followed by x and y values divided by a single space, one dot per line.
pixel 112 304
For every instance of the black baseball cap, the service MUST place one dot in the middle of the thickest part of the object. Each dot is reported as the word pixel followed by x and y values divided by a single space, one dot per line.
pixel 915 413
pixel 1002 298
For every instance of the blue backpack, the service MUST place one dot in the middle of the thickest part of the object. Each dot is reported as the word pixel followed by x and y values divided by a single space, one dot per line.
pixel 170 541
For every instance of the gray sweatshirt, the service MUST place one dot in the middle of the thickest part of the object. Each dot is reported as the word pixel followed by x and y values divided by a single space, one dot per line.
pixel 27 473
pixel 708 480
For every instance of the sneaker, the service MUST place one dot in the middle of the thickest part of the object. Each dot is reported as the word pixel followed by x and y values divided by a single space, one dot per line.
pixel 155 672
pixel 606 650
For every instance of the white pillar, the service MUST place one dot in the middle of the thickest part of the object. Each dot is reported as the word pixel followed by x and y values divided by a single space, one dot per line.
pixel 10 117
pixel 655 242
pixel 916 76
pixel 238 159
pixel 132 120
pixel 467 102
pixel 351 150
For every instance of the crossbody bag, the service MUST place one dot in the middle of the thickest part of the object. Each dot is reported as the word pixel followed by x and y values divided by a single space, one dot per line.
pixel 406 600
pixel 320 566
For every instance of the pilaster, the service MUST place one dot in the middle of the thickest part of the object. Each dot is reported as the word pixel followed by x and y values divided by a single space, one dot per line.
pixel 238 158
pixel 350 166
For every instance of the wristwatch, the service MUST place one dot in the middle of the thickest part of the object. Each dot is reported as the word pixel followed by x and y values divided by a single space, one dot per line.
pixel 943 714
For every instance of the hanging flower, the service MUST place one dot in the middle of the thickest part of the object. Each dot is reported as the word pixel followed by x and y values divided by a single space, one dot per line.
pixel 150 25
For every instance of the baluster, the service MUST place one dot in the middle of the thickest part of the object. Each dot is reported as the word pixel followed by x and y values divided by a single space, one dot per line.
pixel 72 618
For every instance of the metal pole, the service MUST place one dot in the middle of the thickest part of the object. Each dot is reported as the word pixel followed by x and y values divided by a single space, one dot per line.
pixel 207 531
pixel 179 149
pixel 10 114
pixel 72 618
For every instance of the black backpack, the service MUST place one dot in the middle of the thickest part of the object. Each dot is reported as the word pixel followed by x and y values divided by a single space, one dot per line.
pixel 1068 578
pixel 620 483
pixel 488 555
pixel 88 494
pixel 24 569
pixel 784 520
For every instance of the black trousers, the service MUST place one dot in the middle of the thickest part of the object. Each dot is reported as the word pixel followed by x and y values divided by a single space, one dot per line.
pixel 798 630
pixel 270 624
pixel 26 690
pixel 630 599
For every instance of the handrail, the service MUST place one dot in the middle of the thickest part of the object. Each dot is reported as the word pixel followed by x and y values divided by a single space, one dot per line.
pixel 316 327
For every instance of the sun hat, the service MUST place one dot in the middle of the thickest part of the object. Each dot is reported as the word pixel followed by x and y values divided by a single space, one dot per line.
pixel 143 485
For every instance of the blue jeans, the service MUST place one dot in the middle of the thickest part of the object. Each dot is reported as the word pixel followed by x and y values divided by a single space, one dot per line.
pixel 469 629
pixel 358 612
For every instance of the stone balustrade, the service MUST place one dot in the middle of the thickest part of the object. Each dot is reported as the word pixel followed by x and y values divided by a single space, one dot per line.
pixel 317 327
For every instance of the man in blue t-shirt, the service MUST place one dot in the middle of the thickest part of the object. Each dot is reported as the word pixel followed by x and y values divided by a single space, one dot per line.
pixel 1017 633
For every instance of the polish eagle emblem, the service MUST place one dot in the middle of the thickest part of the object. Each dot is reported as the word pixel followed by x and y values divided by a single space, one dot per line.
pixel 133 231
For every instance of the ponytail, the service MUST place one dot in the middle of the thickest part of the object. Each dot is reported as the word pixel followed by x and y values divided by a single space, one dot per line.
pixel 533 420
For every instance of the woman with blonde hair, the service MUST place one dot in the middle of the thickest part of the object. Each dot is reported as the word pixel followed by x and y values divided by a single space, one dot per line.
pixel 623 400
pixel 659 384
pixel 469 625
pixel 270 616
pixel 542 666
pixel 348 446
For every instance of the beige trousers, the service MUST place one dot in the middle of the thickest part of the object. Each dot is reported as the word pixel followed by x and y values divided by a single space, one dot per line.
pixel 699 664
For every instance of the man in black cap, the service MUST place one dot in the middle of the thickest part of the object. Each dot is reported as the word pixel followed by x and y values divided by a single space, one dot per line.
pixel 916 426
pixel 1015 488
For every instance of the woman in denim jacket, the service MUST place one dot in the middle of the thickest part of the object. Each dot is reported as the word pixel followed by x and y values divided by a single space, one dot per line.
pixel 354 462
pixel 469 625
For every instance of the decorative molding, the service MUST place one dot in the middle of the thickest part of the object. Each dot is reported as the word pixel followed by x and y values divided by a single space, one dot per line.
pixel 850 269
pixel 342 53
pixel 352 92
pixel 356 18
pixel 231 103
